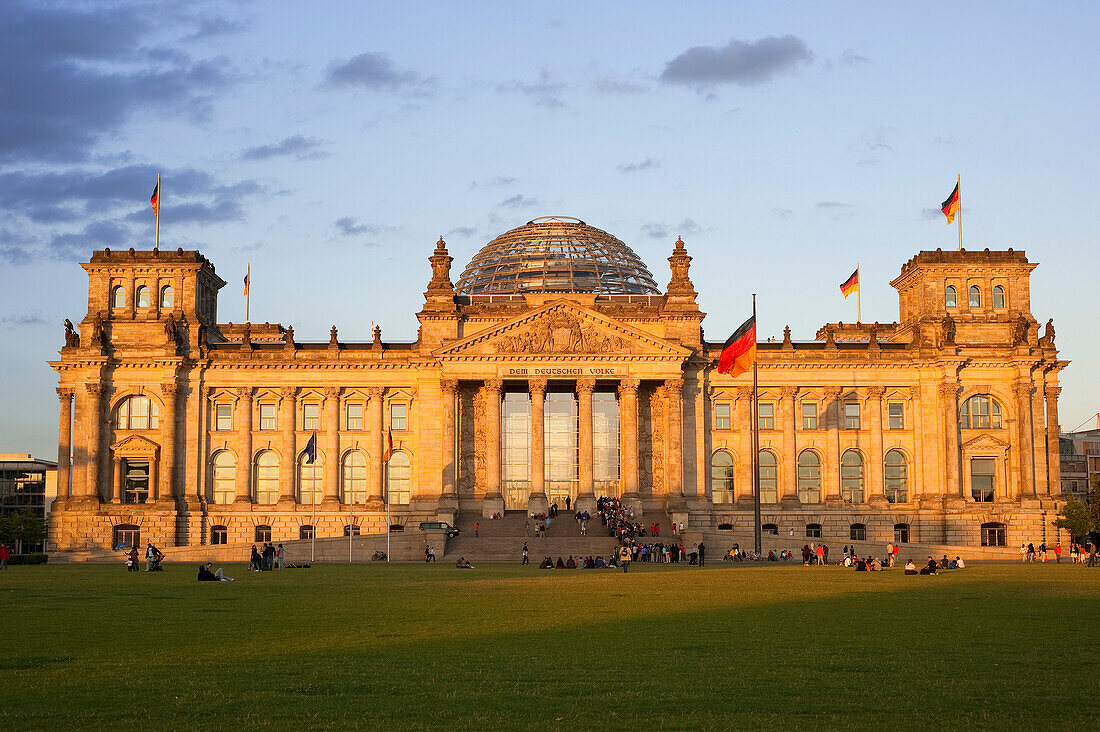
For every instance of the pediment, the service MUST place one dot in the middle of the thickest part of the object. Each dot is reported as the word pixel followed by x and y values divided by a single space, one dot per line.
pixel 135 445
pixel 562 328
pixel 985 442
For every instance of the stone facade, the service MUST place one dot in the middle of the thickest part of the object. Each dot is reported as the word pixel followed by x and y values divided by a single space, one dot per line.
pixel 195 432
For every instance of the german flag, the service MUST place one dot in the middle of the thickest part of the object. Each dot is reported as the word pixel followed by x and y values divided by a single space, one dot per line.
pixel 851 284
pixel 246 278
pixel 155 199
pixel 389 447
pixel 950 207
pixel 739 352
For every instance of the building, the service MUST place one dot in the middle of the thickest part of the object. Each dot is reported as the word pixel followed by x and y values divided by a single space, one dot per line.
pixel 556 368
pixel 1080 461
pixel 27 485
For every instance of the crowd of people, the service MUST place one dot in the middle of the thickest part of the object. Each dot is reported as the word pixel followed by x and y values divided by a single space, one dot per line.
pixel 267 558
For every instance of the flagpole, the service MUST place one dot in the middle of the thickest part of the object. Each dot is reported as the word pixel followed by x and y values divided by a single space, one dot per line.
pixel 386 475
pixel 247 290
pixel 959 183
pixel 351 520
pixel 313 517
pixel 160 195
pixel 859 297
pixel 755 447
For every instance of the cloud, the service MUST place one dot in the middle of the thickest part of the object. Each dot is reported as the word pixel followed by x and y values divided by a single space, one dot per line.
pixel 210 27
pixel 462 231
pixel 783 213
pixel 96 235
pixel 850 58
pixel 665 231
pixel 874 140
pixel 655 231
pixel 519 201
pixel 546 92
pixel 302 148
pixel 72 75
pixel 351 226
pixel 500 180
pixel 739 62
pixel 832 204
pixel 607 85
pixel 638 166
pixel 26 319
pixel 375 71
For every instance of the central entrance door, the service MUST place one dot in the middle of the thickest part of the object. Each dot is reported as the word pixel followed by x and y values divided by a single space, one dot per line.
pixel 558 491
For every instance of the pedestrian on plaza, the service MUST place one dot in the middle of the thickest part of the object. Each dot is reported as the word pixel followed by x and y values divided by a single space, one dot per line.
pixel 702 554
pixel 820 554
pixel 280 559
pixel 825 553
pixel 1058 553
pixel 568 500
pixel 1023 552
pixel 624 558
pixel 132 562
pixel 4 554
pixel 1031 552
pixel 681 527
pixel 526 559
pixel 526 527
pixel 477 527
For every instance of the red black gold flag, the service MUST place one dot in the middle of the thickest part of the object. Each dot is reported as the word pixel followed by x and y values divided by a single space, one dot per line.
pixel 851 284
pixel 155 199
pixel 389 447
pixel 739 352
pixel 246 276
pixel 950 207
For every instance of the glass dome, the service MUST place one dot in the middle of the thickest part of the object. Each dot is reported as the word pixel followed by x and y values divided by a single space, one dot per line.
pixel 556 254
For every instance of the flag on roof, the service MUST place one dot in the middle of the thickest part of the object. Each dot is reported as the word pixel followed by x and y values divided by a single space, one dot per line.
pixel 851 284
pixel 739 352
pixel 950 207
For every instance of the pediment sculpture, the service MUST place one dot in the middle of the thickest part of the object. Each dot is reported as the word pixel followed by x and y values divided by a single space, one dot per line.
pixel 561 332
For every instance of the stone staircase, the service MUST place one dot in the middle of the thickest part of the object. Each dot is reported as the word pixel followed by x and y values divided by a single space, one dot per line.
pixel 501 540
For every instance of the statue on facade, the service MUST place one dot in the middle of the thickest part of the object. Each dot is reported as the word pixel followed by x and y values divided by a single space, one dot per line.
pixel 787 337
pixel 288 336
pixel 72 338
pixel 872 336
pixel 246 336
pixel 948 330
pixel 1022 326
pixel 377 336
pixel 170 334
pixel 98 334
pixel 332 336
pixel 1048 334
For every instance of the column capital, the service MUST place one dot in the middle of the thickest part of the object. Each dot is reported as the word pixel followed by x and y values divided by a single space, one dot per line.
pixel 949 390
pixel 332 392
pixel 788 392
pixel 628 385
pixel 875 392
pixel 449 386
pixel 1053 392
pixel 97 389
pixel 244 392
pixel 288 392
pixel 65 394
pixel 832 393
pixel 170 389
pixel 1022 389
pixel 537 385
pixel 586 386
pixel 375 393
pixel 494 386
pixel 675 385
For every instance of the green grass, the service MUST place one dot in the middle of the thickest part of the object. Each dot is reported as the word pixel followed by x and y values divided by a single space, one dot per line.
pixel 414 646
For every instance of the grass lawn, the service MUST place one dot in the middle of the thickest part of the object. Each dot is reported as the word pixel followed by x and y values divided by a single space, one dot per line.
pixel 412 646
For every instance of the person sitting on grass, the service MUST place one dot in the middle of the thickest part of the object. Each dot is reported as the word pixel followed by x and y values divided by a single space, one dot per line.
pixel 910 568
pixel 571 563
pixel 560 564
pixel 547 563
pixel 205 575
pixel 861 564
pixel 929 568
pixel 876 565
pixel 463 564
pixel 600 563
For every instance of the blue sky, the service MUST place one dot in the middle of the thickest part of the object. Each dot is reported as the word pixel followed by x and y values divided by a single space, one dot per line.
pixel 329 144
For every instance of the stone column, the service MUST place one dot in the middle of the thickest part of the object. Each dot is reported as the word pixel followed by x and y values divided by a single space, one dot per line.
pixel 788 477
pixel 742 483
pixel 628 438
pixel 538 502
pixel 494 501
pixel 168 489
pixel 331 495
pixel 874 490
pixel 674 388
pixel 449 388
pixel 831 474
pixel 1022 389
pixel 1039 441
pixel 243 490
pixel 1054 473
pixel 93 458
pixel 116 483
pixel 949 406
pixel 64 443
pixel 375 468
pixel 289 464
pixel 586 496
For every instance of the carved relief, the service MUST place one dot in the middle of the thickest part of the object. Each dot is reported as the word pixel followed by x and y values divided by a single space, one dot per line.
pixel 658 409
pixel 481 435
pixel 561 332
pixel 645 445
pixel 466 432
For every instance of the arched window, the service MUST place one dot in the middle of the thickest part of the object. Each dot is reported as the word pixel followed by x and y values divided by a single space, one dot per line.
pixel 143 297
pixel 857 532
pixel 809 477
pixel 310 477
pixel 897 477
pixel 126 536
pixel 721 477
pixel 167 297
pixel 263 533
pixel 225 477
pixel 397 474
pixel 851 476
pixel 901 533
pixel 813 531
pixel 355 477
pixel 118 297
pixel 980 412
pixel 975 297
pixel 138 413
pixel 771 529
pixel 769 477
pixel 219 535
pixel 949 296
pixel 267 477
pixel 993 534
pixel 351 529
pixel 998 297
pixel 305 531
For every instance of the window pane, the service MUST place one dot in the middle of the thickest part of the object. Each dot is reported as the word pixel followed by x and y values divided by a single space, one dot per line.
pixel 897 478
pixel 135 481
pixel 397 416
pixel 118 297
pixel 311 416
pixel 605 443
pixel 310 476
pixel 721 477
pixel 355 417
pixel 143 297
pixel 982 474
pixel 397 477
pixel 224 417
pixel 722 416
pixel 167 297
pixel 809 477
pixel 225 478
pixel 851 477
pixel 769 477
pixel 267 477
pixel 851 416
pixel 355 477
pixel 975 297
pixel 949 297
pixel 515 446
pixel 809 416
pixel 897 415
pixel 267 416
pixel 560 453
pixel 767 416
pixel 998 297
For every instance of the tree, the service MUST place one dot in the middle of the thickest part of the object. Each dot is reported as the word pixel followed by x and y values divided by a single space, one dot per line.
pixel 1075 517
pixel 22 528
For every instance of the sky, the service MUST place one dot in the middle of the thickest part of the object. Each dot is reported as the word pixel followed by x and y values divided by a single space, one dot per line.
pixel 330 144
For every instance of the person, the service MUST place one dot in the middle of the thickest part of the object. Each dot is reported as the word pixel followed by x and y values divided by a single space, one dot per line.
pixel 1074 553
pixel 526 527
pixel 624 558
pixel 526 559
pixel 1092 555
pixel 4 554
pixel 431 554
pixel 463 564
pixel 1023 552
pixel 1058 553
pixel 477 528
pixel 824 553
pixel 427 554
pixel 861 565
pixel 254 560
pixel 268 556
pixel 1043 552
pixel 570 563
pixel 568 501
pixel 132 562
pixel 547 563
pixel 894 560
pixel 1031 552
pixel 681 527
pixel 910 568
pixel 153 558
pixel 929 568
pixel 279 556
pixel 819 553
pixel 205 575
pixel 560 564
pixel 702 554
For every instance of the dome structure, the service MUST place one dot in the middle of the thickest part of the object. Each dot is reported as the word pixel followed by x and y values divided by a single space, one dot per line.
pixel 556 254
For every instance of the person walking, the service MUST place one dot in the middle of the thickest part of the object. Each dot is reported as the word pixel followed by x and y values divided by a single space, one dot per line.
pixel 624 558
pixel 820 554
pixel 702 554
pixel 526 559
pixel 279 558
pixel 4 554
pixel 477 527
pixel 1058 553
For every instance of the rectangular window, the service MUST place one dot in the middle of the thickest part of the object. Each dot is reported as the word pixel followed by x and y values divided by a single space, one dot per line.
pixel 223 416
pixel 397 415
pixel 766 413
pixel 135 481
pixel 267 416
pixel 897 415
pixel 982 473
pixel 311 416
pixel 851 416
pixel 355 417
pixel 809 416
pixel 722 416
